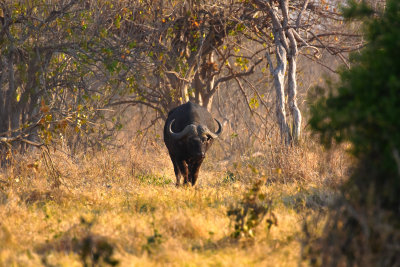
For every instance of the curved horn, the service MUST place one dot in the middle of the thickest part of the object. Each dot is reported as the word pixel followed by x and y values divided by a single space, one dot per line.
pixel 188 129
pixel 217 133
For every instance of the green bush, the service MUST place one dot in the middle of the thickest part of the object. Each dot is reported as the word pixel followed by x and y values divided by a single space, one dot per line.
pixel 251 211
pixel 363 110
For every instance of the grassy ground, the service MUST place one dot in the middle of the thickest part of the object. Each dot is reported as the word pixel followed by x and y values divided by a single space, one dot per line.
pixel 125 208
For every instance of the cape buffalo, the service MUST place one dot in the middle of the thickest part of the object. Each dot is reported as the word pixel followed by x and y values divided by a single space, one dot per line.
pixel 189 132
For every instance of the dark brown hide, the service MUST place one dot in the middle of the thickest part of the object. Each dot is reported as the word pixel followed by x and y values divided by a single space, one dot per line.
pixel 189 132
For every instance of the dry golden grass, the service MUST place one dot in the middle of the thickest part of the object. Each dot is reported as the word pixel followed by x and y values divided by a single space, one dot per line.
pixel 127 200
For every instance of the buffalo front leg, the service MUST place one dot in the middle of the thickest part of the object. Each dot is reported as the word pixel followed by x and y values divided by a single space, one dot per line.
pixel 177 172
pixel 183 168
pixel 194 169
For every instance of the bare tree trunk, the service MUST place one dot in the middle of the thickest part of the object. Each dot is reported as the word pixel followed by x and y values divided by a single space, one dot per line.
pixel 279 74
pixel 292 84
pixel 12 110
pixel 286 53
pixel 3 97
pixel 203 93
pixel 204 81
pixel 207 101
pixel 184 93
pixel 279 84
pixel 36 72
pixel 292 89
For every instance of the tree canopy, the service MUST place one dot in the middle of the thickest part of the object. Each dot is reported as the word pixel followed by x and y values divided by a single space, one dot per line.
pixel 69 69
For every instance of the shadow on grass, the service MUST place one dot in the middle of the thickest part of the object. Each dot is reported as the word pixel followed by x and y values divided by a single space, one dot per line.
pixel 93 250
pixel 311 198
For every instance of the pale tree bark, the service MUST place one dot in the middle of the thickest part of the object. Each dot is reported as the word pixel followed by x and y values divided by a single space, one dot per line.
pixel 204 82
pixel 278 72
pixel 286 53
pixel 202 94
pixel 292 59
pixel 292 91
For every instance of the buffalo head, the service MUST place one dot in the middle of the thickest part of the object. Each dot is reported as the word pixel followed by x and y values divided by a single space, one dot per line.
pixel 195 139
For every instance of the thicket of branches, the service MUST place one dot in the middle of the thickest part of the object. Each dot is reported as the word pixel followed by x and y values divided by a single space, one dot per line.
pixel 69 68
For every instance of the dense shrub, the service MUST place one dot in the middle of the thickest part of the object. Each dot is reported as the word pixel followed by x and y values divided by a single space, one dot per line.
pixel 363 109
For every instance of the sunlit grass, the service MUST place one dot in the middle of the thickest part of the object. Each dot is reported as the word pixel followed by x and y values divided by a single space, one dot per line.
pixel 134 206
